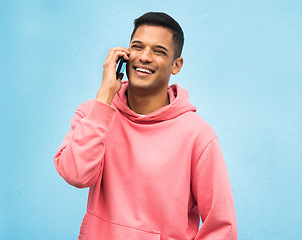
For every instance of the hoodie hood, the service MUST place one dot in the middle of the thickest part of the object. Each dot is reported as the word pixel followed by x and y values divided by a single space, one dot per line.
pixel 179 104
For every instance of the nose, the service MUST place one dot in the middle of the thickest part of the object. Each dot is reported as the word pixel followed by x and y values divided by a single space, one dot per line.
pixel 146 56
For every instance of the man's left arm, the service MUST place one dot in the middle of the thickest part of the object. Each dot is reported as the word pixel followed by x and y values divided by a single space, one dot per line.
pixel 213 194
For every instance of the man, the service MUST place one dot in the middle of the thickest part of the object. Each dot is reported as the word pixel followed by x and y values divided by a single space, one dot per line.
pixel 153 166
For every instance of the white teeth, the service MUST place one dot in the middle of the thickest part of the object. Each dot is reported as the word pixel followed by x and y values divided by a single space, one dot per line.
pixel 143 70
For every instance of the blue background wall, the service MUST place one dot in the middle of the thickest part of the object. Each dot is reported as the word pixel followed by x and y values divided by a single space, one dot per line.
pixel 242 70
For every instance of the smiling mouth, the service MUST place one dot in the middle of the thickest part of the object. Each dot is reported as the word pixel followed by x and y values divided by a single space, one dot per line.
pixel 143 70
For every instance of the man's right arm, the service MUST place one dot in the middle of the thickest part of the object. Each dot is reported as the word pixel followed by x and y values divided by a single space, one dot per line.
pixel 80 158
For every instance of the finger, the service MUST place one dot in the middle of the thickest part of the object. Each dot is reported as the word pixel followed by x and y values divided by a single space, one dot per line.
pixel 122 54
pixel 115 55
pixel 118 50
pixel 113 58
pixel 122 49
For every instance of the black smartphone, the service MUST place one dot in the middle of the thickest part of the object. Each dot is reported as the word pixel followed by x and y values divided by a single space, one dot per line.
pixel 121 65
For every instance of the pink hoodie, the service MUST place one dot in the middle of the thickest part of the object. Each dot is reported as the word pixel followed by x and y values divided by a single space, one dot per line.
pixel 150 177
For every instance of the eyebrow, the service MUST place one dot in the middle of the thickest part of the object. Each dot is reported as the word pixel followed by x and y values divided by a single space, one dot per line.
pixel 158 46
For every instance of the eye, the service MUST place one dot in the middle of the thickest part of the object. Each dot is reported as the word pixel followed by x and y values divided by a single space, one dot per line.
pixel 159 52
pixel 136 47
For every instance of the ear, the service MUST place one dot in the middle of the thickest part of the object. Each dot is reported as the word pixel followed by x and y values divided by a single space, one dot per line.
pixel 177 65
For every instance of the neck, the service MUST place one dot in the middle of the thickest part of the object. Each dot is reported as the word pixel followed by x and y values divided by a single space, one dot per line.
pixel 144 104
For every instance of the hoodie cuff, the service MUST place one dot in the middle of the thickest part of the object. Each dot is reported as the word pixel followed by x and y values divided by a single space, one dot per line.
pixel 100 114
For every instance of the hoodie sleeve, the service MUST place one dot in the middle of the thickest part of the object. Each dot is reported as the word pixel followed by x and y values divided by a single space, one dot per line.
pixel 212 191
pixel 79 159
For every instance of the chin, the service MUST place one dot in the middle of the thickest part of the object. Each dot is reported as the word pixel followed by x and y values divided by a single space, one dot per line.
pixel 137 84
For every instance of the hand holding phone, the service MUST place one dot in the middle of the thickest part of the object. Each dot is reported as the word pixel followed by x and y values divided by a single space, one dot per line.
pixel 114 65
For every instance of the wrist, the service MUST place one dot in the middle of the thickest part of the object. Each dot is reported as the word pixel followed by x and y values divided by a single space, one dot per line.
pixel 105 95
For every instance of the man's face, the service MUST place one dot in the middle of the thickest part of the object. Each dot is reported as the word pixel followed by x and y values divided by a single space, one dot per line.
pixel 151 59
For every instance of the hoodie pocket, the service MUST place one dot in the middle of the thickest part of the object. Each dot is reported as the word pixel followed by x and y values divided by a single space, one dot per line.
pixel 96 228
